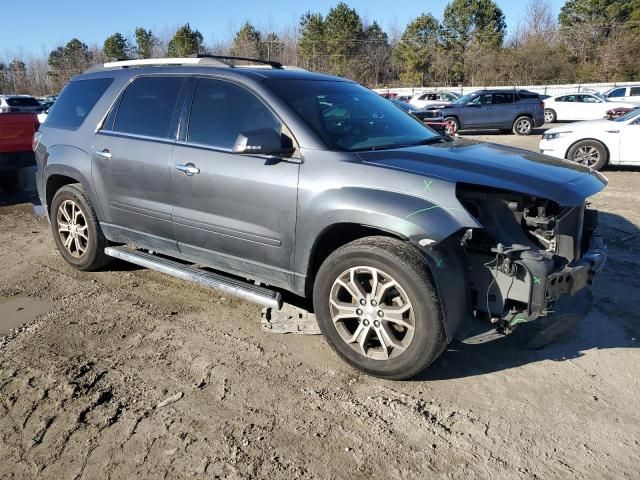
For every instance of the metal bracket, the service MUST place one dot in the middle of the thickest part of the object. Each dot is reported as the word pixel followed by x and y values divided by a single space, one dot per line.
pixel 289 319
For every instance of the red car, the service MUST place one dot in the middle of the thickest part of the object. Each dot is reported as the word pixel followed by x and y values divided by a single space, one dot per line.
pixel 618 112
pixel 16 148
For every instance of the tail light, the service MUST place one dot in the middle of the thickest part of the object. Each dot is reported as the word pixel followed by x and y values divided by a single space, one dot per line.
pixel 542 104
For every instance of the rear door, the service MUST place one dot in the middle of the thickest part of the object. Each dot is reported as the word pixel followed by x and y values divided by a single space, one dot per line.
pixel 131 160
pixel 233 212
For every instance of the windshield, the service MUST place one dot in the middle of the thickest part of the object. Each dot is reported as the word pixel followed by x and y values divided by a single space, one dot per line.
pixel 349 117
pixel 628 116
pixel 463 100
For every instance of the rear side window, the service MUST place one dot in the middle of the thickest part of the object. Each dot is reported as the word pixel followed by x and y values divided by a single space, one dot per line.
pixel 76 102
pixel 222 110
pixel 502 98
pixel 635 91
pixel 618 92
pixel 22 102
pixel 147 106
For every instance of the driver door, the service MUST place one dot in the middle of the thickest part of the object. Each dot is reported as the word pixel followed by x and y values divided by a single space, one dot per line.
pixel 233 212
pixel 477 111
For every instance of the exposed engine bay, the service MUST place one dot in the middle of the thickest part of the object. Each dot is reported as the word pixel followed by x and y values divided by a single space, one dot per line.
pixel 529 253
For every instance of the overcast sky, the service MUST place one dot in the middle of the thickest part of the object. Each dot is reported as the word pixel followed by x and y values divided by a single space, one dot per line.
pixel 37 26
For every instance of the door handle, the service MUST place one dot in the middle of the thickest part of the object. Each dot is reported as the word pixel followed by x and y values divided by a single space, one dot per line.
pixel 106 154
pixel 189 169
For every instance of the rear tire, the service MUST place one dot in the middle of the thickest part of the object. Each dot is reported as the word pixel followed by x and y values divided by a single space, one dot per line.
pixel 390 324
pixel 590 153
pixel 523 126
pixel 549 115
pixel 76 229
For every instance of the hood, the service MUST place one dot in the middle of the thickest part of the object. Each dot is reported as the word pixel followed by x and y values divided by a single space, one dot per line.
pixel 602 122
pixel 496 166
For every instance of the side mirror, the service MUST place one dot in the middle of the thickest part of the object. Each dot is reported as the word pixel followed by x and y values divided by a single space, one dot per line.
pixel 264 141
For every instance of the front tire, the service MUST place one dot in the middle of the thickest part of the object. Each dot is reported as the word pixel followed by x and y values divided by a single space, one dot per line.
pixel 451 125
pixel 589 153
pixel 378 309
pixel 523 126
pixel 76 230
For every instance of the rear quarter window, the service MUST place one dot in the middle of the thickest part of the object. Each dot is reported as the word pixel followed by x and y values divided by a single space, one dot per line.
pixel 76 102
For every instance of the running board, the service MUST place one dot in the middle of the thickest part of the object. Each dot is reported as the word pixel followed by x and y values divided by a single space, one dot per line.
pixel 231 286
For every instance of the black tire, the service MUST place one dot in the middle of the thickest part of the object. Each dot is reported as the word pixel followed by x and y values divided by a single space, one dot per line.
pixel 454 121
pixel 579 153
pixel 550 115
pixel 408 267
pixel 522 126
pixel 12 182
pixel 93 257
pixel 9 182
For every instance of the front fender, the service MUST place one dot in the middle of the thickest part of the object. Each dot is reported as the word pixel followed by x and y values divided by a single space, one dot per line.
pixel 424 217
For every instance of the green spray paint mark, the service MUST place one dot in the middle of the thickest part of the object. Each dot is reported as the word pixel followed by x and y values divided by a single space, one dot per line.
pixel 438 262
pixel 430 208
pixel 427 186
pixel 537 280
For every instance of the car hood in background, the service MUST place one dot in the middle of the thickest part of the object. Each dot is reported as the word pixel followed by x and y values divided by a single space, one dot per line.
pixel 600 124
pixel 496 166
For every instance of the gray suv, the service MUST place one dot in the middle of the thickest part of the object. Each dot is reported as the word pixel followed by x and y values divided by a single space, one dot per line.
pixel 281 180
pixel 517 111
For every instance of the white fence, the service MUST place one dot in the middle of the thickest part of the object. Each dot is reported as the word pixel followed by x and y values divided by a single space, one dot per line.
pixel 551 90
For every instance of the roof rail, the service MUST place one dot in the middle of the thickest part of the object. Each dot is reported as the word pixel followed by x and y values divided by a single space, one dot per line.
pixel 224 58
pixel 149 62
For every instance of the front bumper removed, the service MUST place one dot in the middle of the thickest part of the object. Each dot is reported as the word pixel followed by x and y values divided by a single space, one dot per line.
pixel 570 293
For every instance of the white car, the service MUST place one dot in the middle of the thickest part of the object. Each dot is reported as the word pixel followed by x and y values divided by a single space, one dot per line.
pixel 578 106
pixel 424 99
pixel 629 93
pixel 596 143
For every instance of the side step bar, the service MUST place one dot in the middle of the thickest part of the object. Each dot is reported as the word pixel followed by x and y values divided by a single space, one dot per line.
pixel 231 286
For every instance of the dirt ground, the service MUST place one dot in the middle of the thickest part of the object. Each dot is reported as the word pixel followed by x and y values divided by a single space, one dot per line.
pixel 127 373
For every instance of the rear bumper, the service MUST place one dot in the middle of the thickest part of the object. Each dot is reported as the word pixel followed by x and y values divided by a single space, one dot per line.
pixel 11 162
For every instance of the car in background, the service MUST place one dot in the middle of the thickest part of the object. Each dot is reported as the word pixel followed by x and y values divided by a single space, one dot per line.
pixel 596 143
pixel 389 95
pixel 517 111
pixel 422 115
pixel 425 99
pixel 19 103
pixel 578 106
pixel 628 93
pixel 618 112
pixel 16 149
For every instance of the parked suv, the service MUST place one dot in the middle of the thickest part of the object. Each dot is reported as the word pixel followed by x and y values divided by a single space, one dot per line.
pixel 517 111
pixel 19 103
pixel 313 184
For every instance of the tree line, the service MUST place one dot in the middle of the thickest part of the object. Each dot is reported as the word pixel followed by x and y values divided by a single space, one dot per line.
pixel 590 41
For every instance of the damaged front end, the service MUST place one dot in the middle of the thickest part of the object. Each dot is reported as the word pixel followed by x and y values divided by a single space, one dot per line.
pixel 533 258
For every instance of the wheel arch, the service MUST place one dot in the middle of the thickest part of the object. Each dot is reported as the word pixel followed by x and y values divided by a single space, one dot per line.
pixel 604 145
pixel 335 236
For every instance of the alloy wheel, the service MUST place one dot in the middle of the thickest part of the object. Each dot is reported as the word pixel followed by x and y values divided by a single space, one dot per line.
pixel 587 155
pixel 372 313
pixel 548 117
pixel 523 126
pixel 72 228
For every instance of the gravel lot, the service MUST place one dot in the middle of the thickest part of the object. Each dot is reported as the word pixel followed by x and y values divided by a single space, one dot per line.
pixel 128 373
